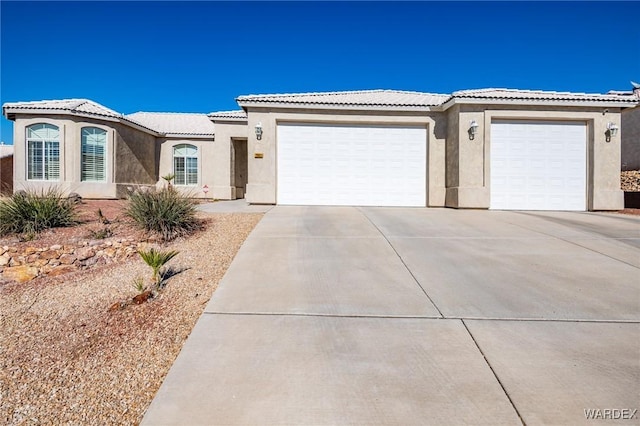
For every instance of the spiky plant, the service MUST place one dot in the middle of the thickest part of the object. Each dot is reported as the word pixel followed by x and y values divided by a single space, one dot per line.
pixel 165 212
pixel 156 259
pixel 29 212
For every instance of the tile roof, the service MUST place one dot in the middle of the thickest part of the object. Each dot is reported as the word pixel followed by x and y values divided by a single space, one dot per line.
pixel 508 94
pixel 83 106
pixel 365 98
pixel 173 123
pixel 240 115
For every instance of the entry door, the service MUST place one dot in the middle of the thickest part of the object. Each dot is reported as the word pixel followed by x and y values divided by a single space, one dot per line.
pixel 538 165
pixel 330 164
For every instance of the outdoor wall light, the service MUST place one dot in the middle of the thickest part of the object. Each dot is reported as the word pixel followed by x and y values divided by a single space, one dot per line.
pixel 612 131
pixel 259 131
pixel 473 129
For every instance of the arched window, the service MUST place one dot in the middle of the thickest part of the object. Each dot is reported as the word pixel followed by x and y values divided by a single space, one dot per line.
pixel 94 155
pixel 185 164
pixel 43 152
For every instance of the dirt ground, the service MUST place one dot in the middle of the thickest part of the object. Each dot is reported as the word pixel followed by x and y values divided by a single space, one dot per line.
pixel 65 358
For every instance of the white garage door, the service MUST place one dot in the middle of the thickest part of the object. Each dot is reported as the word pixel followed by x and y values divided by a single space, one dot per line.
pixel 351 165
pixel 538 165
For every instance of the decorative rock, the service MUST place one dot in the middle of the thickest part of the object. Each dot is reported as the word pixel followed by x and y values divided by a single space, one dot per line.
pixel 30 250
pixel 20 274
pixel 142 297
pixel 85 253
pixel 4 260
pixel 49 254
pixel 55 247
pixel 67 259
pixel 61 270
pixel 40 262
pixel 110 252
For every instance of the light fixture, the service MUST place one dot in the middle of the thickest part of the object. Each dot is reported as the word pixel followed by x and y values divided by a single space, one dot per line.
pixel 612 131
pixel 259 131
pixel 473 129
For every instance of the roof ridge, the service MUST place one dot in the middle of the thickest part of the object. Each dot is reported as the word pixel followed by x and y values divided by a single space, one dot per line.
pixel 524 91
pixel 340 92
pixel 167 113
pixel 335 92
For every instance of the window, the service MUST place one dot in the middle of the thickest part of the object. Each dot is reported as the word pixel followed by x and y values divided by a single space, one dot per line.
pixel 185 164
pixel 43 152
pixel 94 158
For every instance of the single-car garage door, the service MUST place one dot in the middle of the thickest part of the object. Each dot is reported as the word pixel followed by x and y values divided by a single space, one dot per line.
pixel 538 165
pixel 351 165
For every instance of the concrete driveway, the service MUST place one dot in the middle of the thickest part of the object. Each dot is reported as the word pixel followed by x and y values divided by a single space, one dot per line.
pixel 342 315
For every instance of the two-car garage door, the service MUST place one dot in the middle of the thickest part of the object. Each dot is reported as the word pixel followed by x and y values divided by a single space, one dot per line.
pixel 353 165
pixel 537 165
pixel 533 165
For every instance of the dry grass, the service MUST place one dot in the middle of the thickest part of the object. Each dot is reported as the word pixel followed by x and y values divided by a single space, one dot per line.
pixel 64 358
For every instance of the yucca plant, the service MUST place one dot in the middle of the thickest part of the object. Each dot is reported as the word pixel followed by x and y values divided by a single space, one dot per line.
pixel 156 259
pixel 29 212
pixel 165 212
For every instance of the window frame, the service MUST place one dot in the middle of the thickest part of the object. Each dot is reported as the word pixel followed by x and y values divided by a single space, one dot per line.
pixel 104 155
pixel 48 146
pixel 185 176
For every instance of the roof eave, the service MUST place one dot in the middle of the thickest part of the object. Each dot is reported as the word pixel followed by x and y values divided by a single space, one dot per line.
pixel 10 113
pixel 189 135
pixel 538 102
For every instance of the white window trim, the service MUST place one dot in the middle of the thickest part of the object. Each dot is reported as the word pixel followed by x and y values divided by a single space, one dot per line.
pixel 43 141
pixel 173 164
pixel 105 156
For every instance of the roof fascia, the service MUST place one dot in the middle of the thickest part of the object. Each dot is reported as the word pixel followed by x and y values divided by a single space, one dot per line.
pixel 187 136
pixel 536 102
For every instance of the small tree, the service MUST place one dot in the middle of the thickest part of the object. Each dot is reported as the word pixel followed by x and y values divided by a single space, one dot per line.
pixel 169 177
pixel 156 259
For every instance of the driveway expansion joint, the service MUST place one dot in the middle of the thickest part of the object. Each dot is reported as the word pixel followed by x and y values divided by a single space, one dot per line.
pixel 494 373
pixel 402 261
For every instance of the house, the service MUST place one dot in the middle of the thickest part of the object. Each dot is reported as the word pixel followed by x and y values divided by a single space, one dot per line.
pixel 487 148
pixel 6 168
pixel 630 139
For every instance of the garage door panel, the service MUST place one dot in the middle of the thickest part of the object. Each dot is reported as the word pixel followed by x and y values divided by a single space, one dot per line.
pixel 538 165
pixel 351 165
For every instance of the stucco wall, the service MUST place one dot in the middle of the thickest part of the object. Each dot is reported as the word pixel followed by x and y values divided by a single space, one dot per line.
pixel 6 174
pixel 136 155
pixel 472 165
pixel 207 163
pixel 262 186
pixel 630 139
pixel 133 151
pixel 221 160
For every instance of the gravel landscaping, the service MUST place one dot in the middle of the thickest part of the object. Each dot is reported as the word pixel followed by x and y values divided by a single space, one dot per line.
pixel 630 180
pixel 65 357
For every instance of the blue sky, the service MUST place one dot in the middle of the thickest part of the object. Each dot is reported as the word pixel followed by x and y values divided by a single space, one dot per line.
pixel 199 56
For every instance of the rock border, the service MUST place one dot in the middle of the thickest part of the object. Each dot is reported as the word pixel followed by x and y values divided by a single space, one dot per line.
pixel 31 262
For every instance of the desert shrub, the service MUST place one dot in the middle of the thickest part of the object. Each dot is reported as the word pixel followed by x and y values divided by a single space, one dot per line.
pixel 29 212
pixel 165 212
